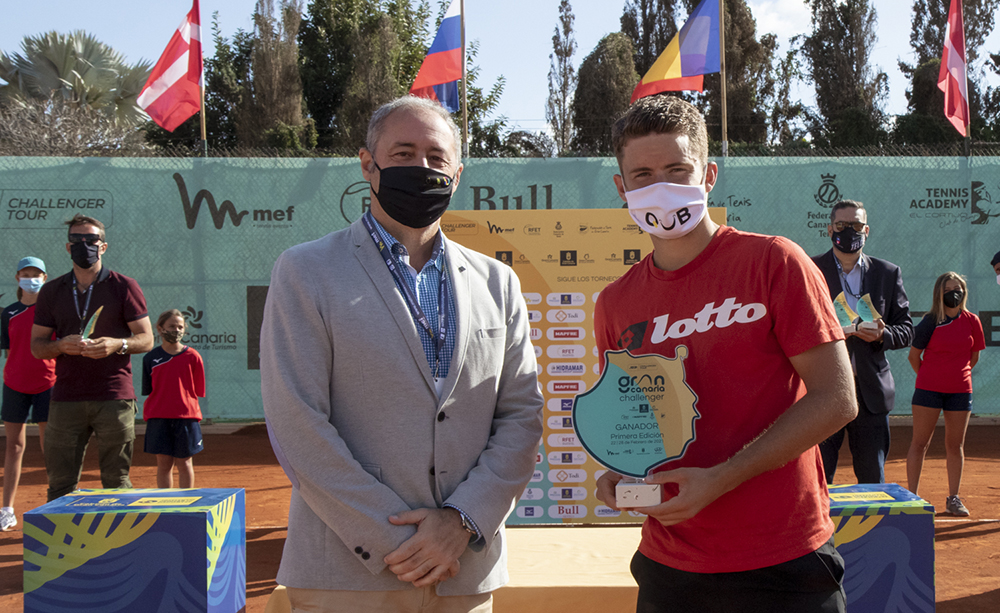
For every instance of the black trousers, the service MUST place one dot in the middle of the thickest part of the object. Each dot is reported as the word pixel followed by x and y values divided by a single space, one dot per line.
pixel 809 584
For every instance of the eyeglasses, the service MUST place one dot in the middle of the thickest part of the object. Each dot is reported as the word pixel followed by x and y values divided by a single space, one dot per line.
pixel 90 239
pixel 858 226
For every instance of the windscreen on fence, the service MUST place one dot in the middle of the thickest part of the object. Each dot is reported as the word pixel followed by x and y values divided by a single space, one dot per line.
pixel 201 235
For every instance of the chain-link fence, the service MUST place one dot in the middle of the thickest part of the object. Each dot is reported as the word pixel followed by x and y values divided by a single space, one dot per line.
pixel 201 235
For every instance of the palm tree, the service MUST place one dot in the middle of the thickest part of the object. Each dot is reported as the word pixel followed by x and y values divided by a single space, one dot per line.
pixel 76 70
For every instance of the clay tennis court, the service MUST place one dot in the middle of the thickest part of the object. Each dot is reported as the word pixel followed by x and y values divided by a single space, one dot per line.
pixel 967 550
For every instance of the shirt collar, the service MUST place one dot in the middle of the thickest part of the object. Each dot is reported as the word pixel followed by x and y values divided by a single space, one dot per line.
pixel 400 253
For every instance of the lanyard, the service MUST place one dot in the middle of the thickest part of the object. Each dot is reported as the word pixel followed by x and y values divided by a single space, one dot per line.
pixel 843 278
pixel 410 297
pixel 86 304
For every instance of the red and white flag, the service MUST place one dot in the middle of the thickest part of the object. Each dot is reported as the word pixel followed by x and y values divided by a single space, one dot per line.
pixel 173 92
pixel 952 78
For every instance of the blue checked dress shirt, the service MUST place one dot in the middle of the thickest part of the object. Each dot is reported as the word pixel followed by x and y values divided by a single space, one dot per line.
pixel 425 287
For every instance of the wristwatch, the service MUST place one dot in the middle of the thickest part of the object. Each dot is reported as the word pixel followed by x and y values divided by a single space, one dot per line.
pixel 468 525
pixel 124 348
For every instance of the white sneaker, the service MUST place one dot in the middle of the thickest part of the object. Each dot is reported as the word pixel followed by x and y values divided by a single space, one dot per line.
pixel 7 520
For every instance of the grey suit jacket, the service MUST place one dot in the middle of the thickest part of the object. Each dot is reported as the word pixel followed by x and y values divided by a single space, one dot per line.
pixel 356 423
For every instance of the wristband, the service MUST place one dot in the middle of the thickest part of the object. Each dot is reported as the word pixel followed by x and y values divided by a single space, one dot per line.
pixel 124 348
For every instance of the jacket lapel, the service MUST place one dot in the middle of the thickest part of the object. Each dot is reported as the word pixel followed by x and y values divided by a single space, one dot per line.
pixel 371 261
pixel 458 272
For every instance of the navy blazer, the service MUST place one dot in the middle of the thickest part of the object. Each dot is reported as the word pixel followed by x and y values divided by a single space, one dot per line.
pixel 883 282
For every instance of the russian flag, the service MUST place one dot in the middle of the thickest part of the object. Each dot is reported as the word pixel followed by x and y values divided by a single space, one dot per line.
pixel 692 53
pixel 442 68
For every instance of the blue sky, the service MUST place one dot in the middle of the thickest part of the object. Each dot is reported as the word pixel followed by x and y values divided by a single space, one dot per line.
pixel 514 35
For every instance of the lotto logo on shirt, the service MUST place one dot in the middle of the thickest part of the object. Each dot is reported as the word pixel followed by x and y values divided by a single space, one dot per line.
pixel 723 316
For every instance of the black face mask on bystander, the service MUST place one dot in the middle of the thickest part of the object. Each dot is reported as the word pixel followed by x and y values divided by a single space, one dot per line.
pixel 415 196
pixel 84 255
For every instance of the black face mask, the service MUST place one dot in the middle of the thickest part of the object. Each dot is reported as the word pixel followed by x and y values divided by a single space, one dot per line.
pixel 953 298
pixel 84 255
pixel 414 196
pixel 849 240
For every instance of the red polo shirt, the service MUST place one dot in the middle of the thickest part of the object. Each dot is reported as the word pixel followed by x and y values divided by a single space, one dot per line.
pixel 79 378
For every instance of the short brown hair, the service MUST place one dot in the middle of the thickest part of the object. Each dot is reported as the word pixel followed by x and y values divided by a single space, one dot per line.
pixel 848 204
pixel 661 114
pixel 80 219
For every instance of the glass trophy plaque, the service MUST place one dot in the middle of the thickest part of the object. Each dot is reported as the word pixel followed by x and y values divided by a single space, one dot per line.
pixel 639 415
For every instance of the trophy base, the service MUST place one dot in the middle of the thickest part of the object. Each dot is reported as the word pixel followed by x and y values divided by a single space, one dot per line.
pixel 633 494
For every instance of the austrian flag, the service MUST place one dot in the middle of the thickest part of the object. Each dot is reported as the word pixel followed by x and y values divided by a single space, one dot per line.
pixel 173 92
pixel 952 76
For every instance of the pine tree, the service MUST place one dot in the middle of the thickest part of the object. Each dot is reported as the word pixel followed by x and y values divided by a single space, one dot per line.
pixel 562 79
pixel 606 79
pixel 850 92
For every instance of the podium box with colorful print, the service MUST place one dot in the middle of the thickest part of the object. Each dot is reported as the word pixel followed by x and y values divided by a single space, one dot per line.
pixel 886 537
pixel 137 550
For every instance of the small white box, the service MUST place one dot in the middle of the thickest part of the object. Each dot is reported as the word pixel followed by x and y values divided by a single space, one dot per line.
pixel 629 495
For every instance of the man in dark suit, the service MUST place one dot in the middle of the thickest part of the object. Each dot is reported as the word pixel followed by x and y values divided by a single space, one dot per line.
pixel 849 271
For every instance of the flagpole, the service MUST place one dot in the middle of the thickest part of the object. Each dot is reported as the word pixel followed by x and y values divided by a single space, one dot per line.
pixel 465 89
pixel 722 76
pixel 201 113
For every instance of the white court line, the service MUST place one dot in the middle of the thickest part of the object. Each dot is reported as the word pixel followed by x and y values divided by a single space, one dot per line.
pixel 968 520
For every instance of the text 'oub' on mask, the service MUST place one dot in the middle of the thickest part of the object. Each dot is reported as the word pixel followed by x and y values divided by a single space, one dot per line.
pixel 668 210
pixel 415 196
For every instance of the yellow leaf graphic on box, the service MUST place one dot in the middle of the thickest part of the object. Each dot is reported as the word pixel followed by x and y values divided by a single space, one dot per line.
pixel 72 545
pixel 222 518
pixel 852 527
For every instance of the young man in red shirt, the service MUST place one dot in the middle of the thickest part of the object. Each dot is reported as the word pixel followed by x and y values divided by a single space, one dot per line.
pixel 744 524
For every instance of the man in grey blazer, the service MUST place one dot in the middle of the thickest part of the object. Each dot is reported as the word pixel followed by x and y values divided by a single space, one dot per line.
pixel 400 391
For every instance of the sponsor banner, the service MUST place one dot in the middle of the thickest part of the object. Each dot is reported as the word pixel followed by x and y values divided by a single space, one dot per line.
pixel 202 236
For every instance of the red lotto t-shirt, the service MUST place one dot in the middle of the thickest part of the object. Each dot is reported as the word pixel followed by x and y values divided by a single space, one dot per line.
pixel 948 350
pixel 741 307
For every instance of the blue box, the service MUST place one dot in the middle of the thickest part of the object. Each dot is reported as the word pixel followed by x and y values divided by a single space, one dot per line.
pixel 137 550
pixel 885 534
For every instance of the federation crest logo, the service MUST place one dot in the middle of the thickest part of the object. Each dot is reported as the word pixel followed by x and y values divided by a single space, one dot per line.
pixel 828 193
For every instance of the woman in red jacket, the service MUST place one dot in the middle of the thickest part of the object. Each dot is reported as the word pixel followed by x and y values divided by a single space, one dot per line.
pixel 946 345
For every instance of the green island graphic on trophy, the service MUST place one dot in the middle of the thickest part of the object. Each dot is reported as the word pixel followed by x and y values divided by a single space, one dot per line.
pixel 639 415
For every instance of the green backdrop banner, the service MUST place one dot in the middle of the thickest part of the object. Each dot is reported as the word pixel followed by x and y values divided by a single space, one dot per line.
pixel 202 235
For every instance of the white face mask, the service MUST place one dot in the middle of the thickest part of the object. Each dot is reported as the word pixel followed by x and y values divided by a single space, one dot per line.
pixel 668 210
pixel 998 279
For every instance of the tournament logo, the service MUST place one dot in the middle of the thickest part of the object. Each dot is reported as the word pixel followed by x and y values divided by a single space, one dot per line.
pixel 828 193
pixel 631 256
pixel 262 218
pixel 355 200
pixel 567 258
pixel 507 257
pixel 979 196
pixel 192 317
pixel 205 340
